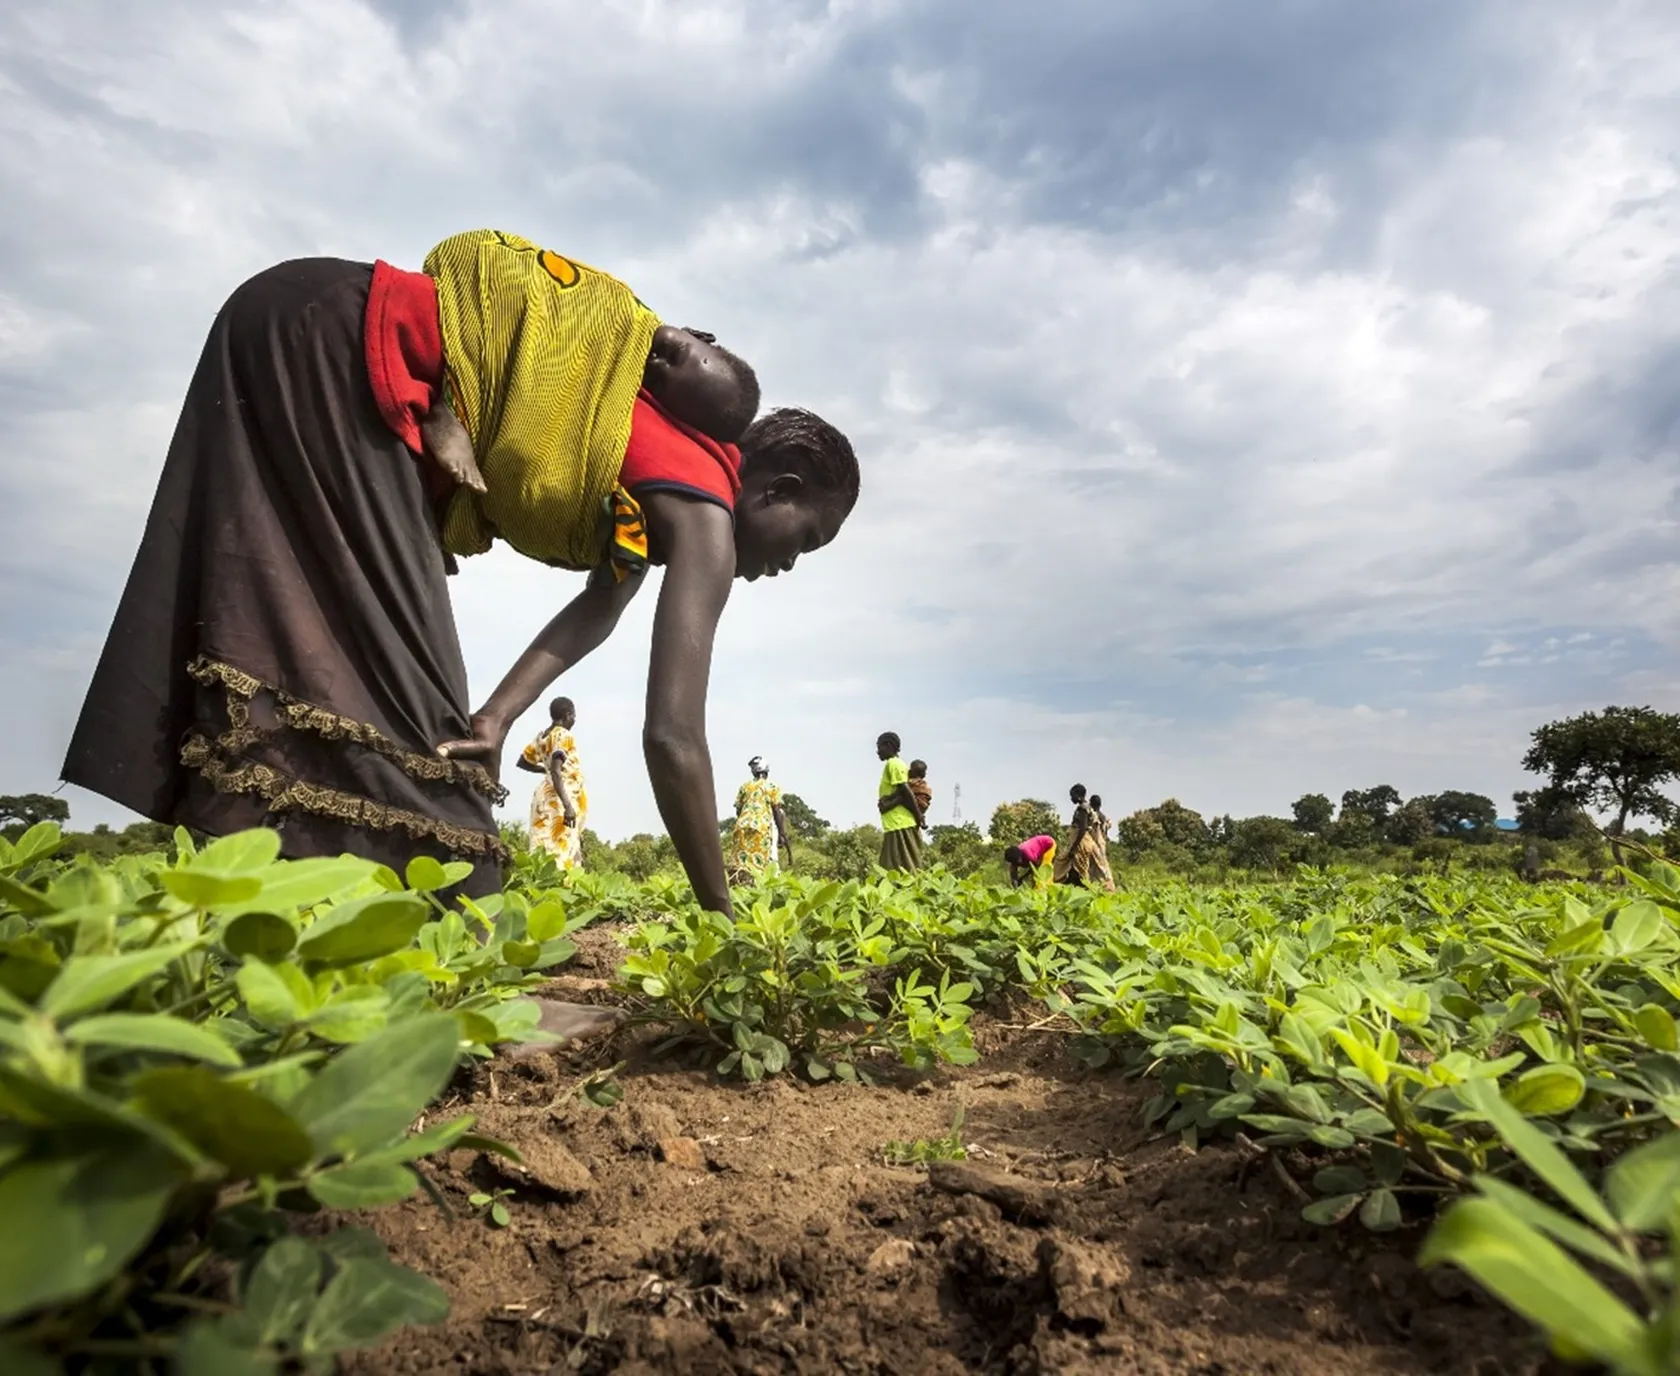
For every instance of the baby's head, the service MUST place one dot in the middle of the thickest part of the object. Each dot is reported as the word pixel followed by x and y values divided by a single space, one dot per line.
pixel 1096 801
pixel 701 383
pixel 918 769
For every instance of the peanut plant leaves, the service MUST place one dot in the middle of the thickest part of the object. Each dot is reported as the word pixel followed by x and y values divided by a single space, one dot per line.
pixel 1537 1279
pixel 153 1032
pixel 85 983
pixel 83 1216
pixel 246 1131
pixel 367 1299
pixel 1538 1152
pixel 281 1289
pixel 372 1091
pixel 259 935
pixel 363 930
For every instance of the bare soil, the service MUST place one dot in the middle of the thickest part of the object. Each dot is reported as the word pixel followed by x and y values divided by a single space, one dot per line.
pixel 705 1227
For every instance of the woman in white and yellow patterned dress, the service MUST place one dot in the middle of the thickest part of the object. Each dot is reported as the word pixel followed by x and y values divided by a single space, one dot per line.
pixel 749 851
pixel 560 804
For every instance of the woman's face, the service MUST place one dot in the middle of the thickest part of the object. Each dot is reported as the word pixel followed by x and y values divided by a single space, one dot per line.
pixel 777 522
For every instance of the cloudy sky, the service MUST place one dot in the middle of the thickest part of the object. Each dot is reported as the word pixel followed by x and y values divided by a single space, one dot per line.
pixel 1252 398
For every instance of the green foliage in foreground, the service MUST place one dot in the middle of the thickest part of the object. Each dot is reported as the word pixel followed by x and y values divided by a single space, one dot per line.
pixel 191 1051
pixel 1509 1240
pixel 1412 1039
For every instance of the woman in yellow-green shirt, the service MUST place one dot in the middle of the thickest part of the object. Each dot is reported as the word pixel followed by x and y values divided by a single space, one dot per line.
pixel 901 816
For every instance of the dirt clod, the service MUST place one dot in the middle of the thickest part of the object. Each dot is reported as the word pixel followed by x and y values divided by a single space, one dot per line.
pixel 683 1153
pixel 653 1122
pixel 546 1165
pixel 1021 1200
pixel 1085 1282
pixel 891 1259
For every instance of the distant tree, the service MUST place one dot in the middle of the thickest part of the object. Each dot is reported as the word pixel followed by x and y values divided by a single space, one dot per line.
pixel 852 853
pixel 644 855
pixel 802 818
pixel 1412 823
pixel 597 854
pixel 960 848
pixel 23 810
pixel 1466 815
pixel 1140 832
pixel 1313 813
pixel 1615 761
pixel 1550 815
pixel 1263 843
pixel 1169 825
pixel 1364 815
pixel 1373 804
pixel 1182 826
pixel 1013 823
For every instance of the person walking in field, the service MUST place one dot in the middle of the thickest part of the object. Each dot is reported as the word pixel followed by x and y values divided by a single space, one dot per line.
pixel 1100 826
pixel 1077 861
pixel 901 817
pixel 284 652
pixel 1032 859
pixel 559 803
pixel 759 822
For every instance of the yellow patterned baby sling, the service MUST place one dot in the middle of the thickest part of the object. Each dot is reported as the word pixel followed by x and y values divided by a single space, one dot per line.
pixel 543 357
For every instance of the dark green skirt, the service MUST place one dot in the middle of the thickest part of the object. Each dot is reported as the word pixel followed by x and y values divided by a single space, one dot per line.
pixel 901 849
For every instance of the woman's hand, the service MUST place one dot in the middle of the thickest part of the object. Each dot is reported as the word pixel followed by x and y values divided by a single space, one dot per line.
pixel 489 735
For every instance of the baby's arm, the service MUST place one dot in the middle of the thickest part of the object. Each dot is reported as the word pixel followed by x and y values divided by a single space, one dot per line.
pixel 449 445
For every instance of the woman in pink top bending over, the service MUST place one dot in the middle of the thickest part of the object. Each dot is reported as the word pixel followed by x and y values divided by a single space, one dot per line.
pixel 1034 856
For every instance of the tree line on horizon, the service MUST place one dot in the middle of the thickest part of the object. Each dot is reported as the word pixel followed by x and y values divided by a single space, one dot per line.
pixel 1613 764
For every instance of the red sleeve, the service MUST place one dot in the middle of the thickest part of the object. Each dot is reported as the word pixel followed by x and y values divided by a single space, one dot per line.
pixel 404 348
pixel 666 455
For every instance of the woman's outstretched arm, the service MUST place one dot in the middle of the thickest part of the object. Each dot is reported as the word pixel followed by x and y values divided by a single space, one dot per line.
pixel 697 540
pixel 581 625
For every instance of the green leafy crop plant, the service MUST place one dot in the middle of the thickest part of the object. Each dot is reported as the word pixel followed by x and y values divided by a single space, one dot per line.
pixel 190 1052
pixel 805 974
pixel 1376 1034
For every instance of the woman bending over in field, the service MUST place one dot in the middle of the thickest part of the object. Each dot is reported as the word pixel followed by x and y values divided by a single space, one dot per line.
pixel 1032 859
pixel 285 652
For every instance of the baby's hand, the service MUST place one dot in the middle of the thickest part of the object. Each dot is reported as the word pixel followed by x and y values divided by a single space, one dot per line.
pixel 450 447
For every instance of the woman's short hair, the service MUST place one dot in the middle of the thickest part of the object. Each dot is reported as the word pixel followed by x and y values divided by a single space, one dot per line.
pixel 890 740
pixel 802 442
